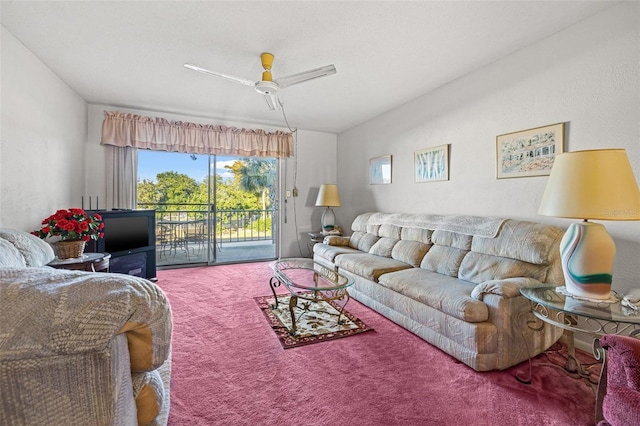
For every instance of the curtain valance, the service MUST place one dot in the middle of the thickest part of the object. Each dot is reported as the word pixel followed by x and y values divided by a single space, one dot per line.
pixel 123 129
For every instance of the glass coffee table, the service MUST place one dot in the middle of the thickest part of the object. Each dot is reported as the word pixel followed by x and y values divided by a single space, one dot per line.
pixel 308 282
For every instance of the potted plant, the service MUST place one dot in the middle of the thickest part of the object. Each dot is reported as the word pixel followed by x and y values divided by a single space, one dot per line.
pixel 70 230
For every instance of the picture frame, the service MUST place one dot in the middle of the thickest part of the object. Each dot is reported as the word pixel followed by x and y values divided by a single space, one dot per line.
pixel 431 164
pixel 380 170
pixel 528 152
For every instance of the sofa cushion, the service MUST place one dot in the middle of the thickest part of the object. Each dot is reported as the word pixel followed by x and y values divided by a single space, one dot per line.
pixel 390 231
pixel 410 252
pixel 373 229
pixel 444 260
pixel 527 241
pixel 451 239
pixel 369 265
pixel 383 246
pixel 10 256
pixel 416 234
pixel 444 293
pixel 330 252
pixel 360 222
pixel 363 241
pixel 478 267
pixel 36 252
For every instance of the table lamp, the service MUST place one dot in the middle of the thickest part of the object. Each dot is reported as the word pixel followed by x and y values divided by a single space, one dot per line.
pixel 328 197
pixel 595 184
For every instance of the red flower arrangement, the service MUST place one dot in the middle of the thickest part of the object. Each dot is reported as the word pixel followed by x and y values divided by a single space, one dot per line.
pixel 73 224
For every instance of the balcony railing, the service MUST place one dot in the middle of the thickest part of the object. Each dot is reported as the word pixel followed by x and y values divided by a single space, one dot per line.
pixel 224 225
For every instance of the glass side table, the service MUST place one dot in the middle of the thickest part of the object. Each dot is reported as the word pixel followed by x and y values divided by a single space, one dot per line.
pixel 591 318
pixel 318 237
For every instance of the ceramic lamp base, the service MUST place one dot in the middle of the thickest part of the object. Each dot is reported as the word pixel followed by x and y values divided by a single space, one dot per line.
pixel 328 220
pixel 587 252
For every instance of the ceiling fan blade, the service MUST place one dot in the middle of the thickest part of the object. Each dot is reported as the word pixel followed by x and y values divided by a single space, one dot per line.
pixel 292 79
pixel 272 101
pixel 225 76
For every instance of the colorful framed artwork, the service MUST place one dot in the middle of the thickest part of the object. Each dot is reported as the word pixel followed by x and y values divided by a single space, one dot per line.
pixel 380 170
pixel 432 164
pixel 528 152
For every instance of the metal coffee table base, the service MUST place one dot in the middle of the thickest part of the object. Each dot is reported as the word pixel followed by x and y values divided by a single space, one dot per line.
pixel 313 296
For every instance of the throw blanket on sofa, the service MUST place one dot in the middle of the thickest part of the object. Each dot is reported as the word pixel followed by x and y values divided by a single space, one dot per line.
pixel 487 227
pixel 89 309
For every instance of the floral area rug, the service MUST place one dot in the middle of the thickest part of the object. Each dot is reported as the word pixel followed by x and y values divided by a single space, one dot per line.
pixel 315 321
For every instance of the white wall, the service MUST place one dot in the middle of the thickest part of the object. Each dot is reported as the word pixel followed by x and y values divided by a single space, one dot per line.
pixel 43 129
pixel 313 164
pixel 586 76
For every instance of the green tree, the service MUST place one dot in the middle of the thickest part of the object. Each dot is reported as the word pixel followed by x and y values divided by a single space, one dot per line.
pixel 147 192
pixel 175 188
pixel 231 197
pixel 257 175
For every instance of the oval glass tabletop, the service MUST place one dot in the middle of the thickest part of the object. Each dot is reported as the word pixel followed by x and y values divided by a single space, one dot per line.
pixel 550 298
pixel 305 274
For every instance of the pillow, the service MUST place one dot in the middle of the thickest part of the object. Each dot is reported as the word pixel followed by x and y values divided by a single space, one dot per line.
pixel 410 252
pixel 383 247
pixel 355 239
pixel 367 241
pixel 36 252
pixel 10 256
pixel 443 260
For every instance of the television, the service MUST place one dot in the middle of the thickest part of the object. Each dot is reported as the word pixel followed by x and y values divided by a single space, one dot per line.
pixel 130 238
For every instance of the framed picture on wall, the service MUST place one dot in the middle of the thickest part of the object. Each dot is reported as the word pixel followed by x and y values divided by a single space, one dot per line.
pixel 380 170
pixel 529 152
pixel 432 164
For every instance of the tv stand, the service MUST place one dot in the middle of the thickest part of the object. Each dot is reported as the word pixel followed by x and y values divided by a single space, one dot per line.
pixel 130 238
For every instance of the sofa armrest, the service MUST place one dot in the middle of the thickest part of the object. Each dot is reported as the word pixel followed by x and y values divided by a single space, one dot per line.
pixel 507 288
pixel 334 240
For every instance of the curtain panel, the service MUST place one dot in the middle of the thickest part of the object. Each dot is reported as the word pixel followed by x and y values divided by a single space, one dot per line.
pixel 130 130
pixel 122 169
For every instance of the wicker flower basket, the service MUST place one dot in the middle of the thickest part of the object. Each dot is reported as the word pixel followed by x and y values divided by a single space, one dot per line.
pixel 69 249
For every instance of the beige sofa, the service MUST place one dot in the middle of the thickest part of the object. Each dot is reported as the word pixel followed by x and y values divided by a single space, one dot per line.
pixel 79 348
pixel 453 280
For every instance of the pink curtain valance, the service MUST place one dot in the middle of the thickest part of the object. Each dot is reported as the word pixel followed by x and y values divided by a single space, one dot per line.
pixel 122 129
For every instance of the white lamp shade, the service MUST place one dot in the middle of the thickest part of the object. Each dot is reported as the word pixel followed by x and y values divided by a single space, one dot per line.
pixel 328 196
pixel 596 184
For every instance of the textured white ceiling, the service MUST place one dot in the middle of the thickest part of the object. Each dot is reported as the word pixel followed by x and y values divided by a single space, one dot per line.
pixel 131 54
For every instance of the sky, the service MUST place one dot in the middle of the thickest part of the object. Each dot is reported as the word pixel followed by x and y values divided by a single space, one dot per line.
pixel 150 163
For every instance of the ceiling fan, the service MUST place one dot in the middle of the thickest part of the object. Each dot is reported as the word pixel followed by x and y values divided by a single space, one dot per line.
pixel 267 86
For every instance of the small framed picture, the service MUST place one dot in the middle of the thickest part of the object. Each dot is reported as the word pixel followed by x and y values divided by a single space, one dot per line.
pixel 528 152
pixel 380 170
pixel 432 164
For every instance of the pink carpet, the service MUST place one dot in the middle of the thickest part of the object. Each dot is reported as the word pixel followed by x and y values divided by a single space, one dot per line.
pixel 230 369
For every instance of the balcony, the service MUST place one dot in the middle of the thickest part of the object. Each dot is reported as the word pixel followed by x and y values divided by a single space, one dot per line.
pixel 192 234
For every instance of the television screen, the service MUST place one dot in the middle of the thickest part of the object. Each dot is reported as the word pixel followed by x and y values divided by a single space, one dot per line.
pixel 125 233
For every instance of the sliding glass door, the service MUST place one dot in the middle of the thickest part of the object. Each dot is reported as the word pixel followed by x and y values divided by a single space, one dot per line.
pixel 210 209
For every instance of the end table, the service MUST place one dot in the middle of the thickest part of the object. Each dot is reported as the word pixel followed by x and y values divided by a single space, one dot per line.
pixel 318 237
pixel 592 318
pixel 92 262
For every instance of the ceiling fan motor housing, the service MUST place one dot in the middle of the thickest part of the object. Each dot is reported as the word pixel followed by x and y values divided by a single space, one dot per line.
pixel 266 87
